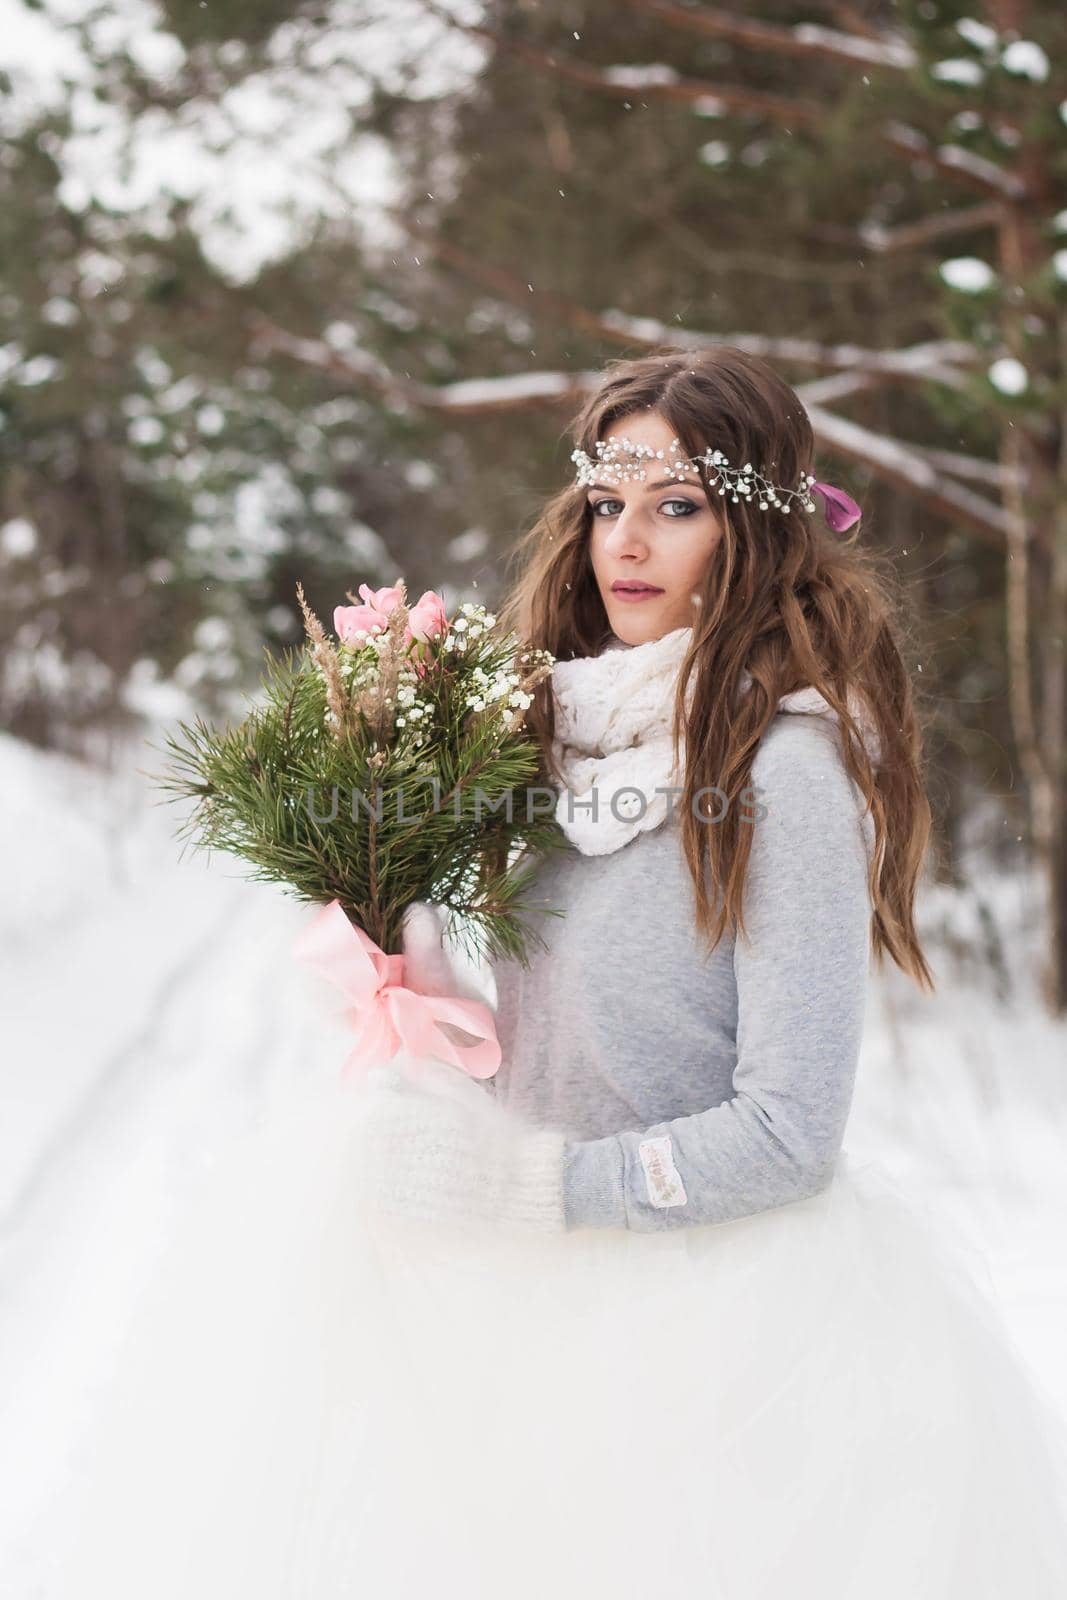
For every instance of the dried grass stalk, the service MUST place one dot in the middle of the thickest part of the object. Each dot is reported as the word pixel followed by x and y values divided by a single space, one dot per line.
pixel 326 659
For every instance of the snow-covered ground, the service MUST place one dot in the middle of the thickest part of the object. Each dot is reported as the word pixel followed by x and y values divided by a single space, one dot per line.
pixel 152 1012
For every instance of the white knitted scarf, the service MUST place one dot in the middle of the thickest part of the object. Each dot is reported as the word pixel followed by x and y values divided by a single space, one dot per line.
pixel 612 740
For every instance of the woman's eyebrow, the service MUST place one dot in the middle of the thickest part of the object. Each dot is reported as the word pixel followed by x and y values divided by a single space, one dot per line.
pixel 661 483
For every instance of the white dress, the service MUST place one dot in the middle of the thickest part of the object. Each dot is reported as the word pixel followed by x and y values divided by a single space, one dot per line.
pixel 315 1403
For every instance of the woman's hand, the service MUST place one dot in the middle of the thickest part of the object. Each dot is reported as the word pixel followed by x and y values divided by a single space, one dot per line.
pixel 432 1156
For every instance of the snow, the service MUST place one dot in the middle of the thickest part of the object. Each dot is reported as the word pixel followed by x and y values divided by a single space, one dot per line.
pixel 967 273
pixel 958 69
pixel 640 77
pixel 18 537
pixel 1009 375
pixel 206 146
pixel 469 545
pixel 145 431
pixel 1025 59
pixel 518 386
pixel 1059 265
pixel 151 1007
pixel 983 172
pixel 978 34
pixel 153 1014
pixel 883 52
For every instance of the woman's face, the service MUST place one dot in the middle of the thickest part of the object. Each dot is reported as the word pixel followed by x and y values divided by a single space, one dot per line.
pixel 659 534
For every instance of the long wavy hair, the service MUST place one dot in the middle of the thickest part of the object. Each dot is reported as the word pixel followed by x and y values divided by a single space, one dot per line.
pixel 783 598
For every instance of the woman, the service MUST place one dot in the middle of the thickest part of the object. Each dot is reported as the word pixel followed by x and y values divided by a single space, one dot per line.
pixel 631 1318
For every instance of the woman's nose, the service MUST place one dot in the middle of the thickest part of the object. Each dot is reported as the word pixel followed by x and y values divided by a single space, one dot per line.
pixel 626 533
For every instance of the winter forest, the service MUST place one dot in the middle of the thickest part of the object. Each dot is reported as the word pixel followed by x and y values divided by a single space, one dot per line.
pixel 297 292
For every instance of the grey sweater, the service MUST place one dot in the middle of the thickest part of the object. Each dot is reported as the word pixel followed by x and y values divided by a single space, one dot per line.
pixel 699 1089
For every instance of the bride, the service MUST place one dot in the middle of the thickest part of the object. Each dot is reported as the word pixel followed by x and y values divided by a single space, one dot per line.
pixel 626 1318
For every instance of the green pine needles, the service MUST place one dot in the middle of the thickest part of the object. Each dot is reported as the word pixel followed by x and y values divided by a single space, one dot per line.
pixel 388 766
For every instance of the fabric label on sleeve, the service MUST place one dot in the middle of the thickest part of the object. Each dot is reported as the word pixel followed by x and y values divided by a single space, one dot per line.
pixel 662 1178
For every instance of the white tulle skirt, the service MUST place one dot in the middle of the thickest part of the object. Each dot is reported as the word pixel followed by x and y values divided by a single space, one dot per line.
pixel 313 1403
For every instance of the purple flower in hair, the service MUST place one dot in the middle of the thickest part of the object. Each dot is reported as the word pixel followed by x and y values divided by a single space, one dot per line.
pixel 839 508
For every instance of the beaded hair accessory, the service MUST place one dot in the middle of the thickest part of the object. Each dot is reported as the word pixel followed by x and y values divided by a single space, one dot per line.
pixel 620 460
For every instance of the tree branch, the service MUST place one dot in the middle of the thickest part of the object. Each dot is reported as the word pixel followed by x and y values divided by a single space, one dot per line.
pixel 939 225
pixel 623 82
pixel 661 82
pixel 894 461
pixel 954 161
pixel 887 459
pixel 931 359
pixel 802 39
pixel 527 391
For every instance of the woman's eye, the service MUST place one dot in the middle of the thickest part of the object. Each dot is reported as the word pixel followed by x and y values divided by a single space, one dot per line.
pixel 687 505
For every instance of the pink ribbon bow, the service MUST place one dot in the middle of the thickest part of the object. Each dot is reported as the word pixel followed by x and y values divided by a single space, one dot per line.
pixel 387 1017
pixel 839 508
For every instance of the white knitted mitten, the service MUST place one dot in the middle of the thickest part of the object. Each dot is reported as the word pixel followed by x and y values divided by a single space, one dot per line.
pixel 430 964
pixel 432 1156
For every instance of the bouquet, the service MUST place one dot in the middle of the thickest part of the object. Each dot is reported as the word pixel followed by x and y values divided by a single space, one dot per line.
pixel 386 766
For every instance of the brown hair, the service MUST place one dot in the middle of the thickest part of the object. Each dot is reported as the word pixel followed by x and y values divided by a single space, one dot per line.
pixel 782 597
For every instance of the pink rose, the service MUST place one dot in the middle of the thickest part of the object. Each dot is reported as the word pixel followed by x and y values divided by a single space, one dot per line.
pixel 348 620
pixel 382 600
pixel 428 618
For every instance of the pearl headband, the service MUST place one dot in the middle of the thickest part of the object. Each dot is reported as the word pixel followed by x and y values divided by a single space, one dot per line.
pixel 619 461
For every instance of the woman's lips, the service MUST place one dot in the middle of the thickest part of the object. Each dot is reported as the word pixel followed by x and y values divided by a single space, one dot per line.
pixel 634 594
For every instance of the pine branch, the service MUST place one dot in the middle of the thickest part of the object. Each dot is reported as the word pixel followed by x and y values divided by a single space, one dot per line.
pixel 376 777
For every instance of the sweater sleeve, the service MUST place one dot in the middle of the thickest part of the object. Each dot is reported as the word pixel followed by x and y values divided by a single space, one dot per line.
pixel 801 977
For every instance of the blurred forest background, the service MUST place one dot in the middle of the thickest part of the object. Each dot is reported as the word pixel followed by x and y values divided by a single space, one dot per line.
pixel 311 290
